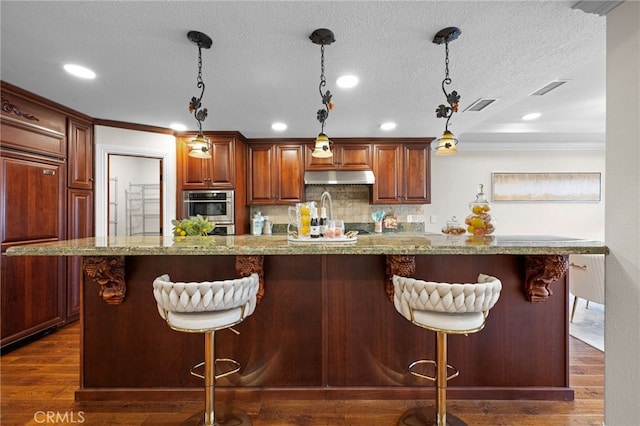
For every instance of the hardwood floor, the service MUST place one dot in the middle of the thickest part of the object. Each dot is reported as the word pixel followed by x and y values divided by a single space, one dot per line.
pixel 39 380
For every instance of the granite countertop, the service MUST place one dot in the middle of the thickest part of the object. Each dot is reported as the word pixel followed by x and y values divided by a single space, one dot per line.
pixel 409 243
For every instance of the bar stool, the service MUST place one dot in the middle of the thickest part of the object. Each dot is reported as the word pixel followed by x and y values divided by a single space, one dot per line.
pixel 205 307
pixel 446 309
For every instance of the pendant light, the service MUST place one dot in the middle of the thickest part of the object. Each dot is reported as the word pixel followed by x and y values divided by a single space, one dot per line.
pixel 199 146
pixel 322 148
pixel 447 142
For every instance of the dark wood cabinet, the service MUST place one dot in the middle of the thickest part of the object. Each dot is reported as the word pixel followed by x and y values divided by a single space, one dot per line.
pixel 275 173
pixel 46 164
pixel 80 149
pixel 218 172
pixel 226 169
pixel 46 126
pixel 79 225
pixel 403 173
pixel 346 156
pixel 32 289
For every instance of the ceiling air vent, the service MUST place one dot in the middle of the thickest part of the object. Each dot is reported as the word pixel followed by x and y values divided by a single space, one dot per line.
pixel 549 87
pixel 480 104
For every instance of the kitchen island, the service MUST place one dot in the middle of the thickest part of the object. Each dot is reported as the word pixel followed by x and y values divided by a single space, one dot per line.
pixel 325 325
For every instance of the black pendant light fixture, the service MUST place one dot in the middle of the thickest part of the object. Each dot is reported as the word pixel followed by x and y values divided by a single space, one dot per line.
pixel 447 143
pixel 322 148
pixel 199 146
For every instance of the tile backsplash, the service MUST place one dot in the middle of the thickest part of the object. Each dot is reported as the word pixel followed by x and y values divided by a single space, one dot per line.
pixel 351 203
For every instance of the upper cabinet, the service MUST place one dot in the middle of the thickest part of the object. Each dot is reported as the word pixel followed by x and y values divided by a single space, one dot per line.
pixel 403 174
pixel 46 126
pixel 80 145
pixel 346 156
pixel 275 173
pixel 218 172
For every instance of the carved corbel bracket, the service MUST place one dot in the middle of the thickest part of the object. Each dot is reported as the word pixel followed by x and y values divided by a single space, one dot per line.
pixel 398 264
pixel 108 271
pixel 541 271
pixel 247 265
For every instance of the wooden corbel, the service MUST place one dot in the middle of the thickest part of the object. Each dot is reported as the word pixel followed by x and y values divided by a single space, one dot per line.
pixel 247 265
pixel 108 271
pixel 398 264
pixel 541 271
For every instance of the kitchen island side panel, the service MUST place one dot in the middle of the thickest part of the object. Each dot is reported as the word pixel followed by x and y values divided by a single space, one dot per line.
pixel 325 328
pixel 371 344
pixel 131 346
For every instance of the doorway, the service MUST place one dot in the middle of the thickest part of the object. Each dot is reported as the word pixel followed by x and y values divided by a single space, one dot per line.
pixel 134 195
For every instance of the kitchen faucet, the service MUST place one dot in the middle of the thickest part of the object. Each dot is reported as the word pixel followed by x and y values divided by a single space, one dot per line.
pixel 325 195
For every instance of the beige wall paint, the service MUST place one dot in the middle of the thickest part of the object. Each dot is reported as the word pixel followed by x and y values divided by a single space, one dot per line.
pixel 622 229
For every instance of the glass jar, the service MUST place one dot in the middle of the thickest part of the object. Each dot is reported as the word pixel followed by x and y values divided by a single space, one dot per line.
pixel 453 227
pixel 480 222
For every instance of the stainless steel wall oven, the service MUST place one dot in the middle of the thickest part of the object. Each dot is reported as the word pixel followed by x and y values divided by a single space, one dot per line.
pixel 215 205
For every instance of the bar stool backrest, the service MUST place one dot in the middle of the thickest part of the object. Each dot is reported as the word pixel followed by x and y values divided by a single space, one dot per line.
pixel 413 294
pixel 206 296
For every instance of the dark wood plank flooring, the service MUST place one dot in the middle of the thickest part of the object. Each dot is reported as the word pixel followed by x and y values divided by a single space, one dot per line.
pixel 39 380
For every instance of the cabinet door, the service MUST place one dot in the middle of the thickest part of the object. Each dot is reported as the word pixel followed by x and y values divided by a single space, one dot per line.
pixel 261 175
pixel 355 157
pixel 31 296
pixel 387 166
pixel 80 155
pixel 192 172
pixel 80 225
pixel 33 201
pixel 347 156
pixel 222 166
pixel 416 180
pixel 290 174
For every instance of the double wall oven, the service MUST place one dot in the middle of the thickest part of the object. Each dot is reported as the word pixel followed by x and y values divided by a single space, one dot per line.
pixel 215 205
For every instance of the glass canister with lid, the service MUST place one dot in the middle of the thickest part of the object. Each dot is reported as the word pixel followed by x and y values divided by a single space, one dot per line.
pixel 480 222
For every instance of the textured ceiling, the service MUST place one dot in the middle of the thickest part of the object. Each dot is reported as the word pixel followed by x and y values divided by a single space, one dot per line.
pixel 263 67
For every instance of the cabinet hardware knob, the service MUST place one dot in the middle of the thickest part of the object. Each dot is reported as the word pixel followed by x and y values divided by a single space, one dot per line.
pixel 48 172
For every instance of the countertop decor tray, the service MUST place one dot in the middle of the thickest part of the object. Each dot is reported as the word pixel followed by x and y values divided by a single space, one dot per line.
pixel 322 240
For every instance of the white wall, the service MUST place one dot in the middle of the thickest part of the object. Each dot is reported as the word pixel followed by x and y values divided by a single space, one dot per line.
pixel 112 140
pixel 454 183
pixel 622 229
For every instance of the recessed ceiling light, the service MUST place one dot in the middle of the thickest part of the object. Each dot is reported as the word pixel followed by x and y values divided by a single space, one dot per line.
pixel 347 81
pixel 178 127
pixel 389 125
pixel 279 127
pixel 80 71
pixel 531 116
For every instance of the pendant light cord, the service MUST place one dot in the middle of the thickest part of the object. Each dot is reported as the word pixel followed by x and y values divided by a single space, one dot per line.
pixel 195 105
pixel 323 114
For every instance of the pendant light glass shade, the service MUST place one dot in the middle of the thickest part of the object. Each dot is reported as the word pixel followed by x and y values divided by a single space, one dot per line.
pixel 199 147
pixel 322 148
pixel 447 144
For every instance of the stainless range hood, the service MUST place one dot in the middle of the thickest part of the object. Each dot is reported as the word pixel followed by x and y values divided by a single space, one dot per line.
pixel 339 177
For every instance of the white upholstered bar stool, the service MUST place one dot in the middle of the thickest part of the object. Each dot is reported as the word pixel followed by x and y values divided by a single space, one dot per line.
pixel 446 309
pixel 205 307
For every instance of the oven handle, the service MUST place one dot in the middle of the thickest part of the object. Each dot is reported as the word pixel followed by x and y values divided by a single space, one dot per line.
pixel 208 201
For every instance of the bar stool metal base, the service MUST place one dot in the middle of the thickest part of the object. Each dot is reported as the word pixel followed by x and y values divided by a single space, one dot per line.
pixel 227 419
pixel 425 416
